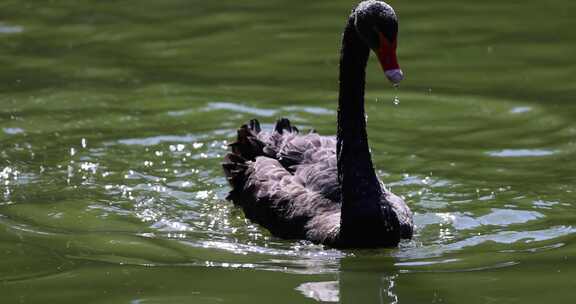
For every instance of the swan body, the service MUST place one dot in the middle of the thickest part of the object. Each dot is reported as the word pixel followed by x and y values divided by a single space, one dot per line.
pixel 319 188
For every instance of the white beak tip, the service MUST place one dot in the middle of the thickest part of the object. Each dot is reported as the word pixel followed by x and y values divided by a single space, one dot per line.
pixel 395 76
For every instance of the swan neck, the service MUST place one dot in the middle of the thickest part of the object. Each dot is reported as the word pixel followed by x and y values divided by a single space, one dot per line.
pixel 355 169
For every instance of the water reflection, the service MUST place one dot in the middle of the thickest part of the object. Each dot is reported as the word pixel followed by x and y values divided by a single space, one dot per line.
pixel 360 280
pixel 321 291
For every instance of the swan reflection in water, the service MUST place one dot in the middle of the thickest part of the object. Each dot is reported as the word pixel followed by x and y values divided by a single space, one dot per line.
pixel 359 281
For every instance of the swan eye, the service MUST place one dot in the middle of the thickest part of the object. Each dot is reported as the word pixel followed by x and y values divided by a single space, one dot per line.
pixel 368 33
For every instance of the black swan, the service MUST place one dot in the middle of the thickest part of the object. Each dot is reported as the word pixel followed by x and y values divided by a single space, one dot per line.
pixel 324 189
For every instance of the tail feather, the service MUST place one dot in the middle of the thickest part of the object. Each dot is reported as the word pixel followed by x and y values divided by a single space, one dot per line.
pixel 250 143
pixel 234 167
pixel 247 143
pixel 255 126
pixel 246 147
pixel 283 124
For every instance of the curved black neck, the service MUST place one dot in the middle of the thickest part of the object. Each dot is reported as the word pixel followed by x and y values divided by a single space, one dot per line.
pixel 360 185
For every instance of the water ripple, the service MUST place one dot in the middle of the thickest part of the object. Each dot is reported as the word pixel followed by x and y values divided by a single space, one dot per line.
pixel 503 237
pixel 522 153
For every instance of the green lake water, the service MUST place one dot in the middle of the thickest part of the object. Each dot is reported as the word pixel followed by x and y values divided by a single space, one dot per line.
pixel 115 115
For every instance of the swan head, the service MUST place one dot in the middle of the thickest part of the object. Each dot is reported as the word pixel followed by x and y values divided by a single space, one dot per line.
pixel 377 24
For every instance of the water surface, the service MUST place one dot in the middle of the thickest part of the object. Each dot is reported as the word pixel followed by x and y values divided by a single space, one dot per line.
pixel 115 116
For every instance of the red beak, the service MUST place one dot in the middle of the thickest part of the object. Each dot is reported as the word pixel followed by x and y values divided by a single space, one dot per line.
pixel 387 56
